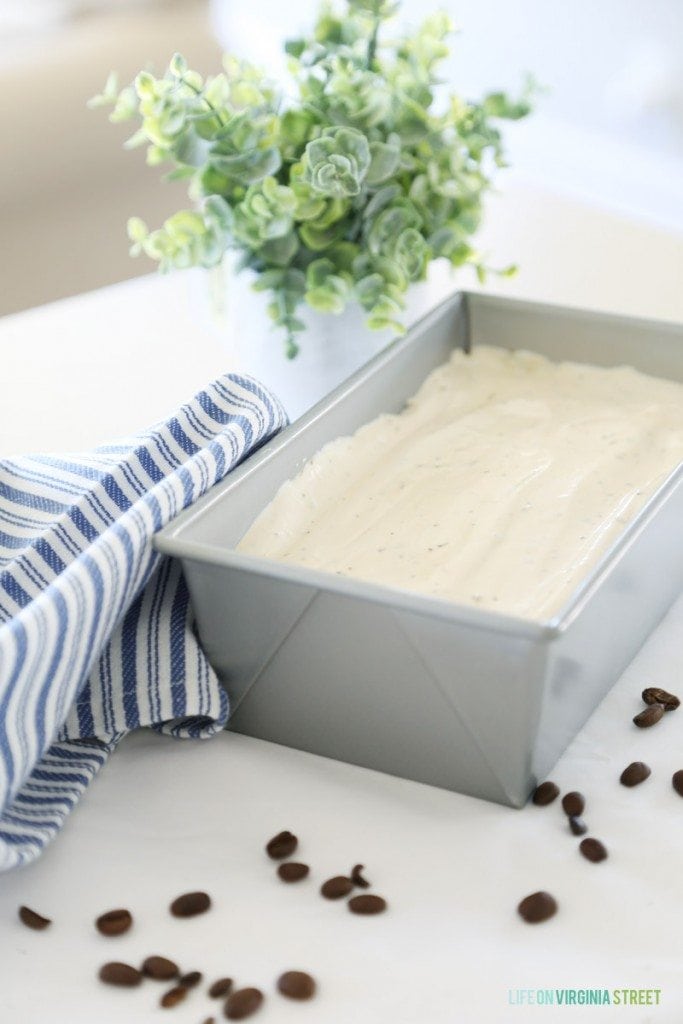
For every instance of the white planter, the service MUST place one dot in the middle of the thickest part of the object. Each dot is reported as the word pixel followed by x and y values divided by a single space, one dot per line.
pixel 331 348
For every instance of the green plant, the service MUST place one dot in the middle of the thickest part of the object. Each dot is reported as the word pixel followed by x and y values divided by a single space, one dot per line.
pixel 345 191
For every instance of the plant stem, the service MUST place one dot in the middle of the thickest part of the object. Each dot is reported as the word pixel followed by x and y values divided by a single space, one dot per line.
pixel 372 43
pixel 198 92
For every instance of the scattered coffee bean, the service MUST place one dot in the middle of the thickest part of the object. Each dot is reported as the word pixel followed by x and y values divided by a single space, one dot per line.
pixel 190 903
pixel 114 922
pixel 282 845
pixel 173 997
pixel 367 904
pixel 653 695
pixel 578 826
pixel 545 794
pixel 537 907
pixel 650 716
pixel 220 988
pixel 292 872
pixel 243 1003
pixel 190 979
pixel 210 1020
pixel 357 877
pixel 160 968
pixel 634 774
pixel 573 804
pixel 335 888
pixel 296 985
pixel 593 850
pixel 32 919
pixel 677 782
pixel 120 974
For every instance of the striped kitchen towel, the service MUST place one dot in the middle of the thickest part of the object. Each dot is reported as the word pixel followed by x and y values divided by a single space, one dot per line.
pixel 96 630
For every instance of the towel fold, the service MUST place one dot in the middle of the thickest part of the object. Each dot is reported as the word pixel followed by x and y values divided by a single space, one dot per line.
pixel 97 635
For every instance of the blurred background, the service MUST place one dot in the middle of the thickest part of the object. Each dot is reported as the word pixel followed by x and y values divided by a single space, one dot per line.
pixel 608 130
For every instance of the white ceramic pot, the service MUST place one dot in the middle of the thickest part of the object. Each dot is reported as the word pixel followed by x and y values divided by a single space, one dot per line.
pixel 331 347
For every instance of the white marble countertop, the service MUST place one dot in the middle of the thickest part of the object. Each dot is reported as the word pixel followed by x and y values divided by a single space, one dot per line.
pixel 167 816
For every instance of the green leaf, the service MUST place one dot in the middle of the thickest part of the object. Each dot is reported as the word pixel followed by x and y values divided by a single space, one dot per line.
pixel 318 271
pixel 386 228
pixel 498 104
pixel 319 239
pixel 213 182
pixel 178 65
pixel 190 149
pixel 336 163
pixel 381 322
pixel 343 256
pixel 137 229
pixel 185 224
pixel 145 85
pixel 384 160
pixel 280 251
pixel 180 174
pixel 125 106
pixel 369 290
pixel 218 212
pixel 295 47
pixel 108 94
pixel 248 167
pixel 156 155
pixel 381 198
pixel 326 290
pixel 137 139
pixel 295 129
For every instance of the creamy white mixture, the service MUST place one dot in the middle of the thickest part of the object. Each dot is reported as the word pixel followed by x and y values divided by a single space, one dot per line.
pixel 500 485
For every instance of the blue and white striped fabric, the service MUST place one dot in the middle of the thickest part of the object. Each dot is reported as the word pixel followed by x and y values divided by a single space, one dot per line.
pixel 96 630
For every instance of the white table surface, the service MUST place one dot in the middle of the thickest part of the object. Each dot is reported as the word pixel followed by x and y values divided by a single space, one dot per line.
pixel 167 816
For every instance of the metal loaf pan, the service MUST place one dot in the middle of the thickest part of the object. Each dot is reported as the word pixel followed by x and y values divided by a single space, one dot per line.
pixel 453 696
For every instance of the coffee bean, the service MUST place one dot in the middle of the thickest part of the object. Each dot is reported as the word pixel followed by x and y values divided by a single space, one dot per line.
pixel 173 997
pixel 210 1020
pixel 593 850
pixel 114 922
pixel 335 888
pixel 578 826
pixel 537 907
pixel 634 774
pixel 292 872
pixel 282 845
pixel 220 988
pixel 677 782
pixel 160 968
pixel 32 919
pixel 367 904
pixel 190 903
pixel 573 804
pixel 650 716
pixel 357 877
pixel 120 974
pixel 545 794
pixel 190 979
pixel 653 695
pixel 243 1003
pixel 296 985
